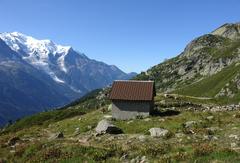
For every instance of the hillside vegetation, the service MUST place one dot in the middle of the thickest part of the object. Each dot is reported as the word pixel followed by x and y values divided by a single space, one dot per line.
pixel 211 136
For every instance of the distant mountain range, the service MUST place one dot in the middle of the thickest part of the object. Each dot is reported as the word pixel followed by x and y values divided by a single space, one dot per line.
pixel 209 67
pixel 39 74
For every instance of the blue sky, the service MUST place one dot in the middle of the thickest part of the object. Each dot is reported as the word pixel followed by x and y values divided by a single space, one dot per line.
pixel 131 34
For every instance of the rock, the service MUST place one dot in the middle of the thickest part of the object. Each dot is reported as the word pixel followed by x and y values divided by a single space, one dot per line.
pixel 58 135
pixel 110 107
pixel 143 159
pixel 89 127
pixel 179 135
pixel 13 141
pixel 106 127
pixel 158 132
pixel 210 118
pixel 111 138
pixel 77 131
pixel 84 140
pixel 234 128
pixel 209 137
pixel 190 124
pixel 233 145
pixel 233 136
pixel 147 119
pixel 139 159
pixel 124 157
pixel 130 122
pixel 161 120
pixel 212 130
pixel 142 138
pixel 107 116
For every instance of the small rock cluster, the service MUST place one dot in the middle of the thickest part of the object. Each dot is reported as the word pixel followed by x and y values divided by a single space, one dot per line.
pixel 139 159
pixel 203 108
pixel 231 107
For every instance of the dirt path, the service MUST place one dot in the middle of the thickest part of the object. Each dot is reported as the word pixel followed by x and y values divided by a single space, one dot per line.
pixel 193 97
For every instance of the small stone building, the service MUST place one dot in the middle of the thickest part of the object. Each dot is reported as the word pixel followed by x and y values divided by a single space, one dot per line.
pixel 132 98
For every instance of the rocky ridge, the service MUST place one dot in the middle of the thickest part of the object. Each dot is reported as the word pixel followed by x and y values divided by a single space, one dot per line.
pixel 202 58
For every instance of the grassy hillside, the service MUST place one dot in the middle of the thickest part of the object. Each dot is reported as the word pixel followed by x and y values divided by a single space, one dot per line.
pixel 210 86
pixel 82 106
pixel 210 139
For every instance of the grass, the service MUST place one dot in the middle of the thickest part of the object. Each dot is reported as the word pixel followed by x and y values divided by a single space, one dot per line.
pixel 35 145
pixel 210 86
pixel 44 118
pixel 82 106
pixel 109 148
pixel 84 123
pixel 226 51
pixel 224 156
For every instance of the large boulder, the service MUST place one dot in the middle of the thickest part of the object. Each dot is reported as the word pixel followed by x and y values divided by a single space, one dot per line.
pixel 105 126
pixel 57 135
pixel 159 132
pixel 13 141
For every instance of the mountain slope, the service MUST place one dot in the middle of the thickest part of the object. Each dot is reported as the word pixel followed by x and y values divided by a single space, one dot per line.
pixel 208 66
pixel 24 90
pixel 39 74
pixel 62 63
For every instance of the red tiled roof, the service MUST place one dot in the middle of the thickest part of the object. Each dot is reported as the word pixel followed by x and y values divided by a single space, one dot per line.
pixel 132 90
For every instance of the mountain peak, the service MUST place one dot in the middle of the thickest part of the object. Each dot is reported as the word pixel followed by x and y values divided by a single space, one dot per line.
pixel 17 40
pixel 228 30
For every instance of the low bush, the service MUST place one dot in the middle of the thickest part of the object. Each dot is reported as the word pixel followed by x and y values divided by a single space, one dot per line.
pixel 202 149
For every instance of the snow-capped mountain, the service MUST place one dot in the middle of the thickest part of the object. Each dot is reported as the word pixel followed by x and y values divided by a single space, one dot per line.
pixel 62 63
pixel 40 74
pixel 37 52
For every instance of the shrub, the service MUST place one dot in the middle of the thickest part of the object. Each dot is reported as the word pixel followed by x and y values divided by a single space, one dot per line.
pixel 202 149
pixel 52 153
pixel 20 149
pixel 32 149
pixel 237 115
pixel 154 149
pixel 180 156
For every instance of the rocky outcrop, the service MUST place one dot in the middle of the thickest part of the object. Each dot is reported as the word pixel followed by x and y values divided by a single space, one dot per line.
pixel 229 30
pixel 202 58
pixel 231 88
